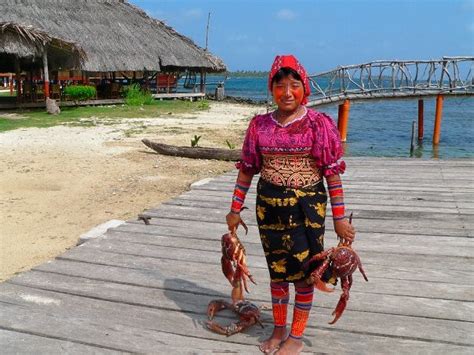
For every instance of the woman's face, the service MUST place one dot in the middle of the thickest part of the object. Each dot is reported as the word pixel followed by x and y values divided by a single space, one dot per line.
pixel 288 93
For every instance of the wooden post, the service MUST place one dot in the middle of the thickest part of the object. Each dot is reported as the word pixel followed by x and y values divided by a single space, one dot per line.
pixel 412 143
pixel 203 82
pixel 46 73
pixel 18 79
pixel 343 119
pixel 438 116
pixel 420 120
pixel 10 83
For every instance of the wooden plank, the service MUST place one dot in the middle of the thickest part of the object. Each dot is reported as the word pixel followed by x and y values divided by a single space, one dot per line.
pixel 379 283
pixel 190 299
pixel 382 222
pixel 432 212
pixel 181 95
pixel 412 261
pixel 21 342
pixel 422 306
pixel 154 281
pixel 83 326
pixel 182 331
pixel 370 242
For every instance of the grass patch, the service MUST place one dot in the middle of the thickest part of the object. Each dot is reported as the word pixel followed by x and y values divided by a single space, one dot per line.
pixel 7 93
pixel 73 115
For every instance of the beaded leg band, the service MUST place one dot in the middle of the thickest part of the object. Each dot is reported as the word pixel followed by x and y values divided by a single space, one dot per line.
pixel 280 297
pixel 303 303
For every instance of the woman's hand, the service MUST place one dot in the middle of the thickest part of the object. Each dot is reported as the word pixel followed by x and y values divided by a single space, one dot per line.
pixel 233 220
pixel 345 231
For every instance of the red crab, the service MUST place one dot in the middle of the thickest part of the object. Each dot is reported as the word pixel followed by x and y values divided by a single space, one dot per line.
pixel 234 267
pixel 234 264
pixel 248 313
pixel 344 261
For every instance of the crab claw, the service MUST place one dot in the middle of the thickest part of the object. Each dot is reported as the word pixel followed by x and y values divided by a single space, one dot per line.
pixel 216 328
pixel 242 222
pixel 215 306
pixel 341 306
pixel 322 286
pixel 245 227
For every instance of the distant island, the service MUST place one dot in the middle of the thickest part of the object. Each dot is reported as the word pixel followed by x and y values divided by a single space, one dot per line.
pixel 246 73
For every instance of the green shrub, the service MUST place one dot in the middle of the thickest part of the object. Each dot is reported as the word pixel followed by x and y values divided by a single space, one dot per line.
pixel 195 140
pixel 80 92
pixel 135 96
pixel 203 105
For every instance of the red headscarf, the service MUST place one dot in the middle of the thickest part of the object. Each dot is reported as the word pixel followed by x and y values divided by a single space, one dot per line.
pixel 289 61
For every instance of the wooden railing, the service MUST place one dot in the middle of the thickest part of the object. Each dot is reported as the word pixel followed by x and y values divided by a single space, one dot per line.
pixel 394 79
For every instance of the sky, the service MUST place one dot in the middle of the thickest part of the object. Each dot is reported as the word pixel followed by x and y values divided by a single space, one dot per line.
pixel 322 34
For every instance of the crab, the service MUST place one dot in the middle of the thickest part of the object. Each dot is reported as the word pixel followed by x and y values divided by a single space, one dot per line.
pixel 234 268
pixel 343 261
pixel 234 264
pixel 249 314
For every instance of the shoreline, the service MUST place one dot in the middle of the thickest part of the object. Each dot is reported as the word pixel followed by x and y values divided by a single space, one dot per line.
pixel 60 182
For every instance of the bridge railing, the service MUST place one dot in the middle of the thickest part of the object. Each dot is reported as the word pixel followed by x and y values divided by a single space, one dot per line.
pixel 449 75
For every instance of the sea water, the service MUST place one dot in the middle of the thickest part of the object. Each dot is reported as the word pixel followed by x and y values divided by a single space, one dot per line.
pixel 384 127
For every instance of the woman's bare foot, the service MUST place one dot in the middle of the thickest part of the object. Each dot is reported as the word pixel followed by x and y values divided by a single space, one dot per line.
pixel 271 344
pixel 291 346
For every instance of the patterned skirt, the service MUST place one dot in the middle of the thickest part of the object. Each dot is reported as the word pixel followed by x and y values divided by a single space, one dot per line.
pixel 291 227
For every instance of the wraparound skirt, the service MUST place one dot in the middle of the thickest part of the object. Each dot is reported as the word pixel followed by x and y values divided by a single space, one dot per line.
pixel 291 227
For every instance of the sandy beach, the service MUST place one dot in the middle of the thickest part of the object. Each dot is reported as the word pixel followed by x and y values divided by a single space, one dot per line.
pixel 57 183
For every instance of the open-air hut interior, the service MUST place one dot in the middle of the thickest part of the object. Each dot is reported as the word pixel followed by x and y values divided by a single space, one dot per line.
pixel 105 43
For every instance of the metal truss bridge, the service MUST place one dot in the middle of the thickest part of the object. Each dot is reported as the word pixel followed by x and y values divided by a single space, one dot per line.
pixel 386 79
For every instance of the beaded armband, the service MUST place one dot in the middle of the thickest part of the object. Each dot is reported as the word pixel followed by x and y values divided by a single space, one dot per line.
pixel 336 194
pixel 238 198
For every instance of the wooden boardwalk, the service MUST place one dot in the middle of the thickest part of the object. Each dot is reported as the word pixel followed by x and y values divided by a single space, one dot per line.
pixel 144 288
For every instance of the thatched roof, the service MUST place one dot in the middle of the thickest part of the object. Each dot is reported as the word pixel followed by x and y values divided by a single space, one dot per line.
pixel 115 35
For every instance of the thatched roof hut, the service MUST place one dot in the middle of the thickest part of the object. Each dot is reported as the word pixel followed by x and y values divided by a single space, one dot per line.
pixel 113 34
pixel 28 43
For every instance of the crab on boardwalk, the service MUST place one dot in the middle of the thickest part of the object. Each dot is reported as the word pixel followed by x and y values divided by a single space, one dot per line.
pixel 343 261
pixel 249 314
pixel 234 268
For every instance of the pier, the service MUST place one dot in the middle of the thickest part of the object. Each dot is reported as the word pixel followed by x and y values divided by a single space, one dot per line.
pixel 394 79
pixel 144 288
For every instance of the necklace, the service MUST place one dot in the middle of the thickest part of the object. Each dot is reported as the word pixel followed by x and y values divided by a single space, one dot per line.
pixel 279 120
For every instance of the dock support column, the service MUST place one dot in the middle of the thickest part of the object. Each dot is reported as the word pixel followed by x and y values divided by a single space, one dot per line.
pixel 46 74
pixel 19 89
pixel 438 116
pixel 10 84
pixel 343 119
pixel 420 120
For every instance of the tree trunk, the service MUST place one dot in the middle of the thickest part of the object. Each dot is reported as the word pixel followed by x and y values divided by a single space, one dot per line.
pixel 194 152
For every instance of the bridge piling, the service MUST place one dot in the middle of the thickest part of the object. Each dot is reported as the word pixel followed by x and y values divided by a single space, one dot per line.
pixel 343 119
pixel 420 120
pixel 438 117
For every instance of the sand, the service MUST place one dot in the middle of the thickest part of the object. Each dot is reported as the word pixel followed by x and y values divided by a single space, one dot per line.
pixel 57 183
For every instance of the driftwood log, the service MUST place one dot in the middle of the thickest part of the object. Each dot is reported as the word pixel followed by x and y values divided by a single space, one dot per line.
pixel 193 152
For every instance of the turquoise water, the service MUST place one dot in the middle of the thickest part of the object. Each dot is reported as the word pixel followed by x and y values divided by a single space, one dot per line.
pixel 383 128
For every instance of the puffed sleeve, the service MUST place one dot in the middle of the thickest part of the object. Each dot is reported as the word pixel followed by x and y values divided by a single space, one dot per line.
pixel 327 148
pixel 250 159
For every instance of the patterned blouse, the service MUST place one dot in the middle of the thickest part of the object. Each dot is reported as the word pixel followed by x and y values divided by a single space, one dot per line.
pixel 296 154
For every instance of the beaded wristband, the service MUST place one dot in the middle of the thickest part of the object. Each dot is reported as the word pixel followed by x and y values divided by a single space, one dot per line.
pixel 336 193
pixel 238 198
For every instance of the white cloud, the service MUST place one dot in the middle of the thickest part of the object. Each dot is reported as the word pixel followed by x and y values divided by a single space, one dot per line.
pixel 285 14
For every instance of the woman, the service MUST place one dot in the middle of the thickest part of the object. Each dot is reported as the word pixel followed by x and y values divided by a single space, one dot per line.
pixel 292 148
